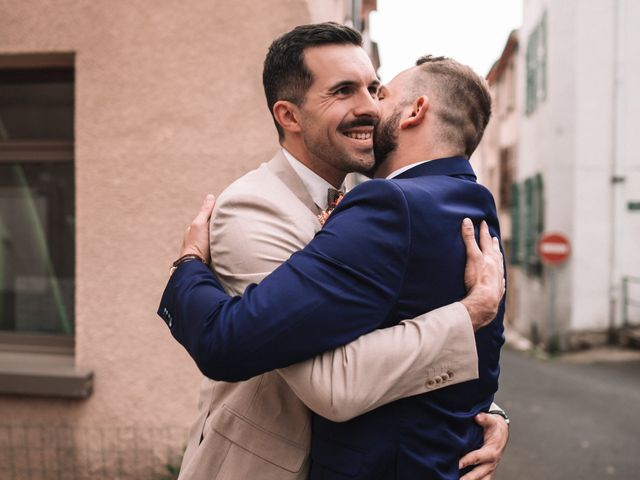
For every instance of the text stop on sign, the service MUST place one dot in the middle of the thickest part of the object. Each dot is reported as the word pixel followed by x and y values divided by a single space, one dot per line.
pixel 554 248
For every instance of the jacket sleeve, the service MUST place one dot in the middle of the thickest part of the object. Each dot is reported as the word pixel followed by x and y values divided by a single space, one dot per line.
pixel 429 352
pixel 342 285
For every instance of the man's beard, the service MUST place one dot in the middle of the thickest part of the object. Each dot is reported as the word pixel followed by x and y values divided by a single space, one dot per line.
pixel 385 138
pixel 335 155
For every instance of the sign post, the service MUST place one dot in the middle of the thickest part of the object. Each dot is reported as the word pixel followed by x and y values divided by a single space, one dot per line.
pixel 554 249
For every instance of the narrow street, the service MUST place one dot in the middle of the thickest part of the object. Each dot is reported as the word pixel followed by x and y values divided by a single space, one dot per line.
pixel 570 421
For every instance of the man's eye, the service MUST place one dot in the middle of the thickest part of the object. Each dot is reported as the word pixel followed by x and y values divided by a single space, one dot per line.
pixel 374 92
pixel 344 91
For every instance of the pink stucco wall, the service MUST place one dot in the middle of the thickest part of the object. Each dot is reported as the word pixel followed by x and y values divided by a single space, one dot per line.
pixel 169 106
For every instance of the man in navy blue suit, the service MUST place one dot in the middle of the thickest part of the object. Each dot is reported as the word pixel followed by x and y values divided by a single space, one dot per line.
pixel 367 265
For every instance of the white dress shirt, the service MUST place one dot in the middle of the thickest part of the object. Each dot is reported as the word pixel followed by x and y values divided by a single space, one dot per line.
pixel 397 172
pixel 316 185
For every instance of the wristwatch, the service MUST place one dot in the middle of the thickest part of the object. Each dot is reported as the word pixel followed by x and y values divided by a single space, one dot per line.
pixel 502 413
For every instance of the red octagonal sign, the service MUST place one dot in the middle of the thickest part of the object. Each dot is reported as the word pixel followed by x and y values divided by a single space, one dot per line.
pixel 554 248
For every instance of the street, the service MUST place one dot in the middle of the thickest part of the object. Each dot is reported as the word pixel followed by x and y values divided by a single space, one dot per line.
pixel 570 420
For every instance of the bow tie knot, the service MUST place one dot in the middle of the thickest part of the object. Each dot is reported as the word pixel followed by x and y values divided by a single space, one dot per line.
pixel 333 196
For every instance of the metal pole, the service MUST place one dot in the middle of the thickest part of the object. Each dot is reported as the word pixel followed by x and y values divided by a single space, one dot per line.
pixel 553 344
pixel 617 167
pixel 625 302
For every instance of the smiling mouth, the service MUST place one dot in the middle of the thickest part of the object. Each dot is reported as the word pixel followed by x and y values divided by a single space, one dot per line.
pixel 358 135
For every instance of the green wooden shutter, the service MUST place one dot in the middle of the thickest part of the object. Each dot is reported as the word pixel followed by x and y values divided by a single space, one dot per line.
pixel 529 242
pixel 515 257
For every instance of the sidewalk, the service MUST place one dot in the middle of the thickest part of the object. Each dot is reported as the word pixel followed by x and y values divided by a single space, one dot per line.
pixel 627 350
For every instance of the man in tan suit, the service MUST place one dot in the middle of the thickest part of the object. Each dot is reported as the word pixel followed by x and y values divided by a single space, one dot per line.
pixel 260 428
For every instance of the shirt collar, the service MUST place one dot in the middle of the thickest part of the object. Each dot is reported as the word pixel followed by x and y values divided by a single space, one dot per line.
pixel 449 166
pixel 400 170
pixel 315 184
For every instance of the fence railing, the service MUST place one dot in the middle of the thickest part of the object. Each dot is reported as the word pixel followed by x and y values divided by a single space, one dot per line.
pixel 630 299
pixel 63 452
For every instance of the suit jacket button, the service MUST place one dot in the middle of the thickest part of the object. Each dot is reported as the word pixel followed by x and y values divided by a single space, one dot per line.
pixel 450 373
pixel 438 379
pixel 430 383
pixel 445 377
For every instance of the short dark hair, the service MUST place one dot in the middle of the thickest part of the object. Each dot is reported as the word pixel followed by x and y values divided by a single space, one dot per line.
pixel 464 106
pixel 285 75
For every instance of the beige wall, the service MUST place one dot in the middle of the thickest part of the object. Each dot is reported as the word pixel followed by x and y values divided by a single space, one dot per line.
pixel 169 106
pixel 329 10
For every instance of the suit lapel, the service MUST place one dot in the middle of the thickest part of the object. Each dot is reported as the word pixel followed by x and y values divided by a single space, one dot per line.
pixel 281 168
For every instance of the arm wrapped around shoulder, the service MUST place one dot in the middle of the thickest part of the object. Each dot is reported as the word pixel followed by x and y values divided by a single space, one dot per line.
pixel 340 286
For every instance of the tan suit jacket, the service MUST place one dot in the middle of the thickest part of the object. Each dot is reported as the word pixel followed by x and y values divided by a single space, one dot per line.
pixel 259 429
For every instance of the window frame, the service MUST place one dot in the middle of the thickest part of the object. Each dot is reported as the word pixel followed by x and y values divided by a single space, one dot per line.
pixel 41 364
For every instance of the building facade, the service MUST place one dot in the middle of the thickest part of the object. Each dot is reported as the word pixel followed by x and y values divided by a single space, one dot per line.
pixel 576 171
pixel 495 159
pixel 116 118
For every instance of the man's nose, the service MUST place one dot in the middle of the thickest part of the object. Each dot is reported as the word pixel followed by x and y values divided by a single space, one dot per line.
pixel 367 104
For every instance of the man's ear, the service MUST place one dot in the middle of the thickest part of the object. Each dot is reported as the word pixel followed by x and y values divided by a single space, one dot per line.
pixel 287 115
pixel 418 113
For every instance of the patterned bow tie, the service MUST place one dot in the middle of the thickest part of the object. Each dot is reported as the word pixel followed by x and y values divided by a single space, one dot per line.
pixel 333 197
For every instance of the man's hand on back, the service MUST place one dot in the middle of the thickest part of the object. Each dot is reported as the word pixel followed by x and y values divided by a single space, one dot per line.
pixel 483 275
pixel 196 237
pixel 486 459
pixel 484 279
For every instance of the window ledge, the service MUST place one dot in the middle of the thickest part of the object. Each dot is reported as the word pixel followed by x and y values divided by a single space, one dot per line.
pixel 43 375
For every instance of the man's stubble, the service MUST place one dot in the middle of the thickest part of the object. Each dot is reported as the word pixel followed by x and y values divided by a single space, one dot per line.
pixel 385 138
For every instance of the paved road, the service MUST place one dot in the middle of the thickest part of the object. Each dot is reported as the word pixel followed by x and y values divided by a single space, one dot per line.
pixel 570 421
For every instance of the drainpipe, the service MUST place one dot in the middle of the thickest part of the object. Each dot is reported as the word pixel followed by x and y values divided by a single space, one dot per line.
pixel 617 173
pixel 356 17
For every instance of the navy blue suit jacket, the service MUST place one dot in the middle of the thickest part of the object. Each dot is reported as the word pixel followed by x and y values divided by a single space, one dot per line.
pixel 391 250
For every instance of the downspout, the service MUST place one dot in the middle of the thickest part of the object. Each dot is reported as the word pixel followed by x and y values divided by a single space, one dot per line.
pixel 356 14
pixel 617 174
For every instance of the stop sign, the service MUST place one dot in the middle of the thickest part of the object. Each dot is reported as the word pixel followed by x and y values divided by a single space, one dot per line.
pixel 554 248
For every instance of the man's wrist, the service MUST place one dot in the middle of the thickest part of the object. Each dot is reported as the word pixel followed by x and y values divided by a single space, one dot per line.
pixel 500 413
pixel 472 311
pixel 189 257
